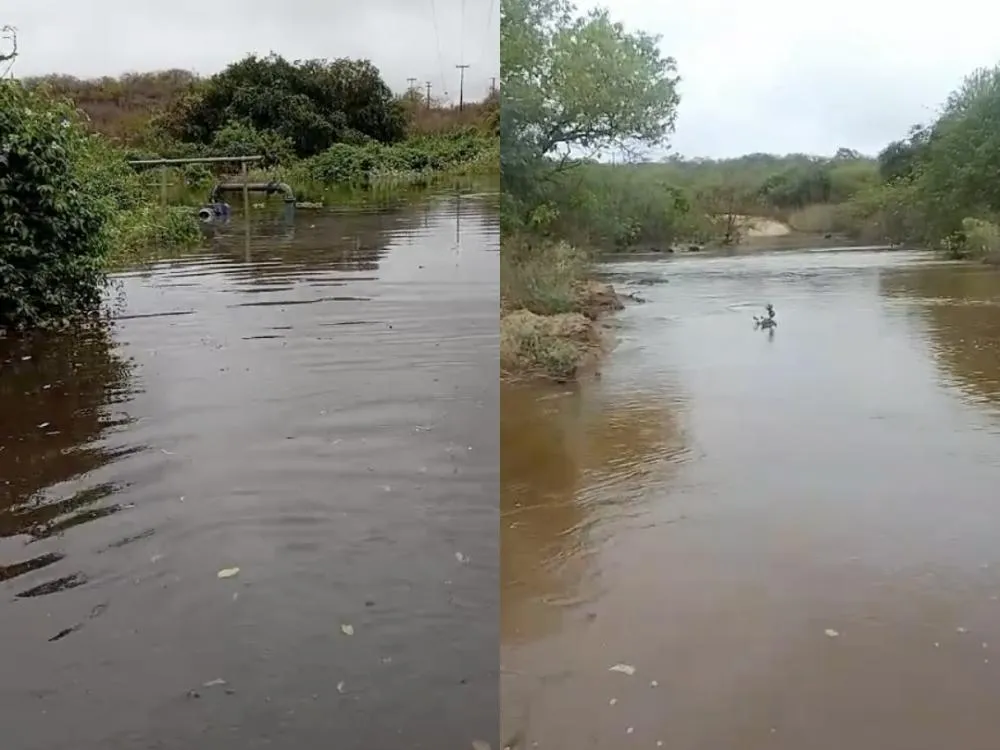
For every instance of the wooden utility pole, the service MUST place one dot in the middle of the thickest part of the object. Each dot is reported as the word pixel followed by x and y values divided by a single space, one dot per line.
pixel 461 86
pixel 428 94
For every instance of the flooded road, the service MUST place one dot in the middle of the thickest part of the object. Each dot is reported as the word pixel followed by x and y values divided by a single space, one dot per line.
pixel 317 410
pixel 793 540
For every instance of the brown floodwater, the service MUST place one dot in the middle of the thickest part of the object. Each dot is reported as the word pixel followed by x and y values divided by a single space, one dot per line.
pixel 792 539
pixel 316 408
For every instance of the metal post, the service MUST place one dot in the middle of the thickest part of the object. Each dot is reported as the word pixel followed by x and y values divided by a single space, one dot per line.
pixel 163 185
pixel 461 86
pixel 246 193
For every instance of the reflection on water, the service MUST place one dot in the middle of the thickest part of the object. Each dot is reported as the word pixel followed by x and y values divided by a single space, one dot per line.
pixel 59 395
pixel 571 461
pixel 317 413
pixel 961 304
pixel 810 560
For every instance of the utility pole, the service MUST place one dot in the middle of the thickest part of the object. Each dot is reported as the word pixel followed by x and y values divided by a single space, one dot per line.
pixel 493 85
pixel 411 85
pixel 428 94
pixel 461 86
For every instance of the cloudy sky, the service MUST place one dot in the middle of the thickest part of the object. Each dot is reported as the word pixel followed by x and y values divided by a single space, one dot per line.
pixel 423 39
pixel 772 75
pixel 784 76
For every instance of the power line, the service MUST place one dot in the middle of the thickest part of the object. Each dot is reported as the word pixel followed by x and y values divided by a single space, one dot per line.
pixel 437 39
pixel 461 34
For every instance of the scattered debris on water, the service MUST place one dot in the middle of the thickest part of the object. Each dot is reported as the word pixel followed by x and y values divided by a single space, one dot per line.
pixel 623 668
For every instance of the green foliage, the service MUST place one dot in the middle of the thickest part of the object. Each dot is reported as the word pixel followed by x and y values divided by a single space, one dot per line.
pixel 69 203
pixel 572 81
pixel 543 277
pixel 979 238
pixel 309 105
pixel 242 139
pixel 360 165
pixel 53 219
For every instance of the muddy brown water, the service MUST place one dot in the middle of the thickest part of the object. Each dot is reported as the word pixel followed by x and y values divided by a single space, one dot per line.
pixel 317 409
pixel 792 539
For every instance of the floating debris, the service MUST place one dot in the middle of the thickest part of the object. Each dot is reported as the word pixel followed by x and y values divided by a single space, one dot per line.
pixel 623 668
pixel 213 683
pixel 227 572
pixel 961 630
pixel 347 629
pixel 340 687
pixel 831 633
pixel 461 558
pixel 630 730
pixel 654 683
pixel 480 745
pixel 612 702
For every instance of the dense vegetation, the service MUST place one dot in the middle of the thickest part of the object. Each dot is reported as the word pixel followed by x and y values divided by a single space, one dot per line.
pixel 576 85
pixel 318 122
pixel 70 206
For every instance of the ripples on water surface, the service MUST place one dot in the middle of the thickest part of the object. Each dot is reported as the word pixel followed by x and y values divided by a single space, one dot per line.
pixel 719 499
pixel 317 410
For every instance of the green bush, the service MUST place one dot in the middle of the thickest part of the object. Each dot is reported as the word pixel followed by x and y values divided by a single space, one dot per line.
pixel 56 207
pixel 372 162
pixel 69 204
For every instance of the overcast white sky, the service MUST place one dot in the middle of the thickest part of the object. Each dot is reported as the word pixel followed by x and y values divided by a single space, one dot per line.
pixel 786 76
pixel 772 75
pixel 424 39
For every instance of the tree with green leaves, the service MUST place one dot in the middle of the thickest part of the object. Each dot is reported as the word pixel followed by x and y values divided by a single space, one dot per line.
pixel 53 220
pixel 573 83
pixel 309 105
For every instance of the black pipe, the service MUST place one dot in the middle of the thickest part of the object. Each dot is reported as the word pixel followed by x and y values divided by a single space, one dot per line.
pixel 270 188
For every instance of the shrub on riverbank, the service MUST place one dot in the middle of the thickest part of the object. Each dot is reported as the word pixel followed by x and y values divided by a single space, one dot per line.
pixel 68 203
pixel 549 305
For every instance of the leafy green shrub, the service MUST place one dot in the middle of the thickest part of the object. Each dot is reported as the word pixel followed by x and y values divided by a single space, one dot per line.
pixel 241 139
pixel 56 205
pixel 308 104
pixel 361 165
